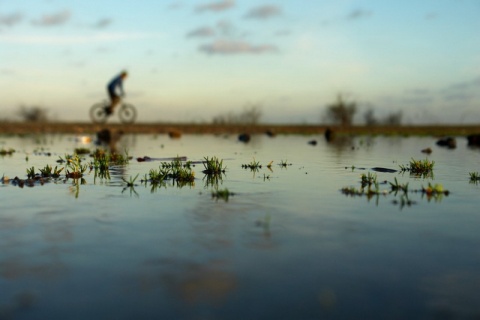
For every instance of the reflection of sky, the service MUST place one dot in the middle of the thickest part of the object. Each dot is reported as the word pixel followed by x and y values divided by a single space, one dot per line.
pixel 191 60
pixel 290 245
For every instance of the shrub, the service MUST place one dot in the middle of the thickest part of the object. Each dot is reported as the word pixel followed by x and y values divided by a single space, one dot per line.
pixel 341 112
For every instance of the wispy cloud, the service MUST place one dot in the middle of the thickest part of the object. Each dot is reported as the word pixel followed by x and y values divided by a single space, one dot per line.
pixel 476 81
pixel 359 14
pixel 222 28
pixel 216 6
pixel 354 15
pixel 103 23
pixel 229 47
pixel 53 19
pixel 264 12
pixel 418 97
pixel 458 97
pixel 175 6
pixel 282 33
pixel 464 85
pixel 201 32
pixel 463 91
pixel 6 72
pixel 73 39
pixel 225 27
pixel 11 19
pixel 418 91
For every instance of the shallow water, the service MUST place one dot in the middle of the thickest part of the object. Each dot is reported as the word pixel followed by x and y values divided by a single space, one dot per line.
pixel 286 245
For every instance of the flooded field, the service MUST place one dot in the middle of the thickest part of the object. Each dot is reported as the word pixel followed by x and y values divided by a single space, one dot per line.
pixel 294 228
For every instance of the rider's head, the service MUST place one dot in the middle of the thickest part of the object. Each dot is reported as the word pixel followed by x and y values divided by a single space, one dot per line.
pixel 124 74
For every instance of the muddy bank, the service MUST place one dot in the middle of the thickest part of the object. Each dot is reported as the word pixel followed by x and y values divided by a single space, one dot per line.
pixel 188 128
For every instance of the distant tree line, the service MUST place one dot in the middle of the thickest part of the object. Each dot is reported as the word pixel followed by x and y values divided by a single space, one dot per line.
pixel 342 113
pixel 249 115
pixel 32 114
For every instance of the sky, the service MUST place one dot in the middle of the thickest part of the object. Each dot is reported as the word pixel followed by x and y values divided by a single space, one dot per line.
pixel 189 61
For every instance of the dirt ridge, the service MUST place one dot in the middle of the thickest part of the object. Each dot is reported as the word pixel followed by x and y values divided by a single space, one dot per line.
pixel 194 128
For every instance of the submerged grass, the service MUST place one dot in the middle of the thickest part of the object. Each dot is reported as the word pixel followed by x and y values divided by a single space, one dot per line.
pixel 6 152
pixel 474 177
pixel 223 194
pixel 368 179
pixel 213 166
pixel 253 165
pixel 180 173
pixel 369 185
pixel 422 168
pixel 49 171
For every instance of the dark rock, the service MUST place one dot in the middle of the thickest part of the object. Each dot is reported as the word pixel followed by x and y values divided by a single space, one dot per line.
pixel 387 170
pixel 474 140
pixel 244 137
pixel 427 150
pixel 174 134
pixel 448 142
pixel 312 142
pixel 104 136
pixel 143 159
pixel 329 135
pixel 270 133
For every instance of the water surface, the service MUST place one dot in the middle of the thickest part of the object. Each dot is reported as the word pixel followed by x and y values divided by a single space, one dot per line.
pixel 287 245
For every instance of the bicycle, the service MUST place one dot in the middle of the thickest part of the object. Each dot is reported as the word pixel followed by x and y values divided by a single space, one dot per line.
pixel 126 112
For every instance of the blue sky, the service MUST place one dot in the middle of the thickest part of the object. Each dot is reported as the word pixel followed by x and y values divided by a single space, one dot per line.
pixel 192 60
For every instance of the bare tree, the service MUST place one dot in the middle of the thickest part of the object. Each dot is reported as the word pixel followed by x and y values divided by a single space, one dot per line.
pixel 341 112
pixel 33 114
pixel 250 115
pixel 370 119
pixel 394 118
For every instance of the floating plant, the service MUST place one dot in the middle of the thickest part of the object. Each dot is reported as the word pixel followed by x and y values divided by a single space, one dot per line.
pixel 222 194
pixel 253 165
pixel 49 171
pixel 75 169
pixel 213 166
pixel 419 167
pixel 368 179
pixel 474 177
pixel 284 163
pixel 6 152
pixel 398 187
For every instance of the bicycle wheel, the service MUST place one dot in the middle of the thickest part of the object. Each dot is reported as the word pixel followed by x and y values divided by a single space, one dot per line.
pixel 127 113
pixel 97 113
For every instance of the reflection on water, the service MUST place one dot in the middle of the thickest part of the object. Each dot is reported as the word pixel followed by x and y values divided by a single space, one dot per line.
pixel 288 243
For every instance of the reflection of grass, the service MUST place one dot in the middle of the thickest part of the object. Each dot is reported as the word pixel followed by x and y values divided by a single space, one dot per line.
pixel 131 181
pixel 212 180
pixel 222 194
pixel 130 185
pixel 75 188
pixel 398 187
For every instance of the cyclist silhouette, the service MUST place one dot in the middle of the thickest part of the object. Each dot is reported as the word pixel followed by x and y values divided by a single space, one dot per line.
pixel 115 90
